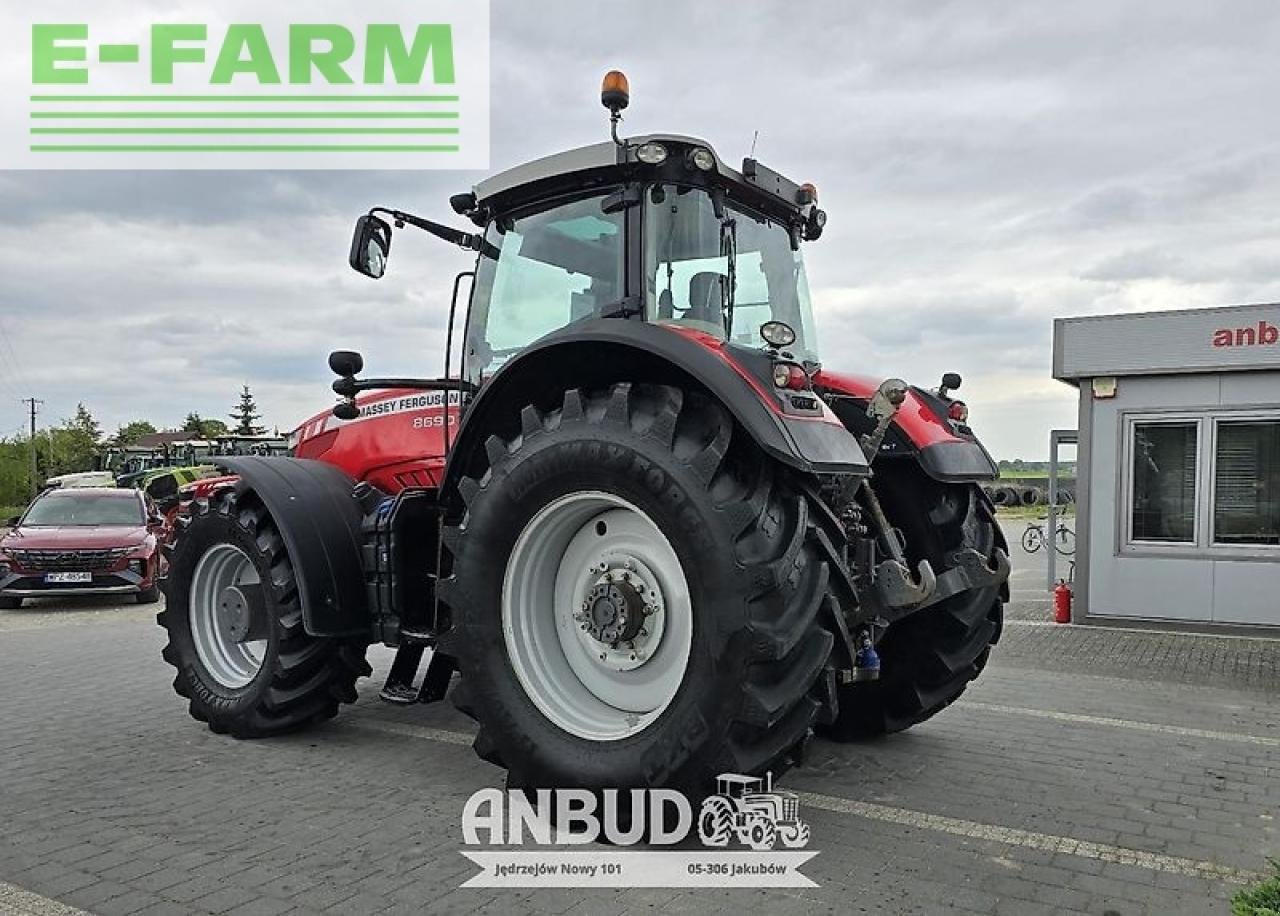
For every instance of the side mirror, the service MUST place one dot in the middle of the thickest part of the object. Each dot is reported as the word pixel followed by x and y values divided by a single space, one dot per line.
pixel 370 246
pixel 346 362
pixel 12 521
pixel 950 382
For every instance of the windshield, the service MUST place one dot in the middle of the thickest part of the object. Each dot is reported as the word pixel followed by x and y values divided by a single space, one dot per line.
pixel 84 510
pixel 726 277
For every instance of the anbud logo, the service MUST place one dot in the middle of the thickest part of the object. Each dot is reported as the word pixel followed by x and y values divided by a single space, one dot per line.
pixel 237 84
pixel 1264 335
pixel 575 817
pixel 645 822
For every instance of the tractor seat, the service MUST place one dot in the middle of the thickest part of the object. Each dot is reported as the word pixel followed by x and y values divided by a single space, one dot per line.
pixel 705 299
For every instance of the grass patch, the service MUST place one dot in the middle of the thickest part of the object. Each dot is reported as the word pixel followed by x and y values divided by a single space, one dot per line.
pixel 1262 899
pixel 1026 513
pixel 7 512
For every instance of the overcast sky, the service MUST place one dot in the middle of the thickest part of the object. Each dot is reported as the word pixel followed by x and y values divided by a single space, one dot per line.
pixel 986 167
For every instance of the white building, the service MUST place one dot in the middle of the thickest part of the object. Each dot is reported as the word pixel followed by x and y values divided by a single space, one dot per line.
pixel 1178 477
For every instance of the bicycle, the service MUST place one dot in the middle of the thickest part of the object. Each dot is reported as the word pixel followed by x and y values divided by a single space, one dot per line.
pixel 1064 540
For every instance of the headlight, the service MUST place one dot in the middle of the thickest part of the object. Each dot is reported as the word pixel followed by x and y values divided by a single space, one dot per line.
pixel 652 153
pixel 777 333
pixel 789 375
pixel 702 158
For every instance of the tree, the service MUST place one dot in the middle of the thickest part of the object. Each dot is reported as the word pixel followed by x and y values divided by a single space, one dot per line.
pixel 205 429
pixel 244 415
pixel 73 445
pixel 84 422
pixel 131 432
pixel 15 475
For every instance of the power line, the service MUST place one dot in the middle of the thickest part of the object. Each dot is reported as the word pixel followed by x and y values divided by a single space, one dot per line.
pixel 34 403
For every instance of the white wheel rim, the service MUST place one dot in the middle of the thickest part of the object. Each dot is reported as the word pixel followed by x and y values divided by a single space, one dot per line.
pixel 569 562
pixel 232 664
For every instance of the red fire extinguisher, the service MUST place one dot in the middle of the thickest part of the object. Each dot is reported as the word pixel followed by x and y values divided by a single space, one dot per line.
pixel 1062 602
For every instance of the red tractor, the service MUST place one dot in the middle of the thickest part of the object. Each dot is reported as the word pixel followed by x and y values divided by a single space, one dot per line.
pixel 655 538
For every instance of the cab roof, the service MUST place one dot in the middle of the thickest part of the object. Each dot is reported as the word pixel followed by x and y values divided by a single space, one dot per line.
pixel 582 159
pixel 607 163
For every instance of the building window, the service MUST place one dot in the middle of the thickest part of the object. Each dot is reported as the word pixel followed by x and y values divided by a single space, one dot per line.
pixel 1246 502
pixel 1164 482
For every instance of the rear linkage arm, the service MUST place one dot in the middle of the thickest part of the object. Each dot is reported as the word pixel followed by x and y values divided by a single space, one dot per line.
pixel 892 585
pixel 893 588
pixel 884 591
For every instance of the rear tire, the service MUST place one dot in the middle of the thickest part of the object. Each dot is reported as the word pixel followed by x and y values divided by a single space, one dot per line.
pixel 249 690
pixel 928 659
pixel 715 822
pixel 745 549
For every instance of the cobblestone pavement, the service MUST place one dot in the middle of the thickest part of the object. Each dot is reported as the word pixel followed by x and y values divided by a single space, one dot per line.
pixel 1086 772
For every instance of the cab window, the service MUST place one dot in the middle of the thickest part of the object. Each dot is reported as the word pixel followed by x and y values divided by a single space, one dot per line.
pixel 542 272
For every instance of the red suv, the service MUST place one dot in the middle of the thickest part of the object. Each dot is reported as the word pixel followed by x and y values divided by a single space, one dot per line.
pixel 83 542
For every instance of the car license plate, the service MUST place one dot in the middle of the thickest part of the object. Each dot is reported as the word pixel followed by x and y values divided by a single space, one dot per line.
pixel 56 577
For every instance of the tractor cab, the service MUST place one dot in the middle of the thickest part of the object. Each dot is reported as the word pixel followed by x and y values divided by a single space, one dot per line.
pixel 734 785
pixel 671 235
pixel 654 228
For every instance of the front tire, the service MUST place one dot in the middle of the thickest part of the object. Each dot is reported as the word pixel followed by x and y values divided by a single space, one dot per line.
pixel 794 836
pixel 741 597
pixel 148 595
pixel 250 687
pixel 9 604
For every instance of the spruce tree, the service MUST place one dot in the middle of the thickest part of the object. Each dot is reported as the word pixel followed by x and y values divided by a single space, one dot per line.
pixel 244 415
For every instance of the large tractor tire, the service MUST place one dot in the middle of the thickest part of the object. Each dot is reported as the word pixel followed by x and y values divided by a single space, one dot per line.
pixel 928 658
pixel 248 677
pixel 634 501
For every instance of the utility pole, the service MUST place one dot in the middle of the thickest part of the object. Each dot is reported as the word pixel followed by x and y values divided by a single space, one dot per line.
pixel 33 403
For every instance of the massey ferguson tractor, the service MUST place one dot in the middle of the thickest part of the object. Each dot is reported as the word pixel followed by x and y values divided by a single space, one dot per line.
pixel 652 534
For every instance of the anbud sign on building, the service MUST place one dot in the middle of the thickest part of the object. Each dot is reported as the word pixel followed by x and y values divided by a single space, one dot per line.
pixel 394 84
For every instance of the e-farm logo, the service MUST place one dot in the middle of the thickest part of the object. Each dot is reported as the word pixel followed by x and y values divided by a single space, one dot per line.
pixel 248 88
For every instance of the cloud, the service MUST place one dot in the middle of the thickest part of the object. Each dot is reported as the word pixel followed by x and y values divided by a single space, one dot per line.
pixel 986 167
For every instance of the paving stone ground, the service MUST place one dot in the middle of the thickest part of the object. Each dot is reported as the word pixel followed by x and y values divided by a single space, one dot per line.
pixel 1087 771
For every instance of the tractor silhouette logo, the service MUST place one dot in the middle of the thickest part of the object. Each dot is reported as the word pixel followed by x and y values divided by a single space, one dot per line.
pixel 746 807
